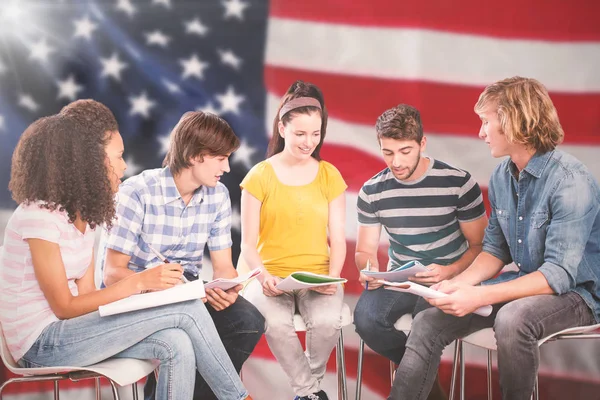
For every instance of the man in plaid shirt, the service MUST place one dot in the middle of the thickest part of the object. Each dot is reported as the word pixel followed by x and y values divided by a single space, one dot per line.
pixel 177 210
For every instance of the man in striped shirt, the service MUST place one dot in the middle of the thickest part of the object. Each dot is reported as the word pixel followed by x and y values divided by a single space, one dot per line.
pixel 431 211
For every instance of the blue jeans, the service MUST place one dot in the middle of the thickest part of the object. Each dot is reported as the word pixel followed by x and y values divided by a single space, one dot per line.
pixel 374 317
pixel 181 336
pixel 240 327
pixel 518 325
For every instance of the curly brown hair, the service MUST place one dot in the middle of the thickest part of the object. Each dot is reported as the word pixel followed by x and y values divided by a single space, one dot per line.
pixel 402 122
pixel 62 164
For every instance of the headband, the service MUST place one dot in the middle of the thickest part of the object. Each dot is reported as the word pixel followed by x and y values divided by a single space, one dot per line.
pixel 297 103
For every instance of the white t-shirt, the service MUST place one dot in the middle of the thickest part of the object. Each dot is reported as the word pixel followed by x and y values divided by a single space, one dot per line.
pixel 24 310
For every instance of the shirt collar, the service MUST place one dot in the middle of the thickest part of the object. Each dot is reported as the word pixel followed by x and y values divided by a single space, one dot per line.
pixel 170 192
pixel 536 165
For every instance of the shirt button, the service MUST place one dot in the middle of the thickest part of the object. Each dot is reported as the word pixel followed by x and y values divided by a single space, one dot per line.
pixel 520 241
pixel 520 218
pixel 518 264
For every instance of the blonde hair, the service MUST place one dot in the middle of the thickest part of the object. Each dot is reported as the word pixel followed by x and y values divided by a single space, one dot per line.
pixel 526 112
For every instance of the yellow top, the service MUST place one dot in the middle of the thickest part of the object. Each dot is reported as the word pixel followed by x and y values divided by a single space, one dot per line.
pixel 293 219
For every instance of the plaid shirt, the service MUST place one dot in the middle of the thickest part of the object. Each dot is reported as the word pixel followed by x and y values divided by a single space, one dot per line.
pixel 150 211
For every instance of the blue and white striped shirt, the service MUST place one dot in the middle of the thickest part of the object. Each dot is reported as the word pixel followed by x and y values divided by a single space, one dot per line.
pixel 150 210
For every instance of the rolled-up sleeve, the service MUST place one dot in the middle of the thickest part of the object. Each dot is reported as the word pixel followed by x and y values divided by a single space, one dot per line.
pixel 574 206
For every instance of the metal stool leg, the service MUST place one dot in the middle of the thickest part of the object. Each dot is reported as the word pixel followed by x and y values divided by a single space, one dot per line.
pixel 114 390
pixel 536 389
pixel 134 387
pixel 489 374
pixel 56 393
pixel 392 372
pixel 97 388
pixel 361 350
pixel 455 366
pixel 462 373
pixel 341 369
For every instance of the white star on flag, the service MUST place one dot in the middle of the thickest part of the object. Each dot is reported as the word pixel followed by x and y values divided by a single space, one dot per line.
pixel 158 38
pixel 195 27
pixel 166 3
pixel 68 89
pixel 164 142
pixel 127 7
pixel 84 28
pixel 243 155
pixel 193 67
pixel 141 105
pixel 112 66
pixel 234 9
pixel 27 102
pixel 228 57
pixel 132 167
pixel 208 108
pixel 40 51
pixel 230 101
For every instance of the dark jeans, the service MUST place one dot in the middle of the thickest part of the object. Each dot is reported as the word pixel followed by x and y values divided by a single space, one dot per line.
pixel 518 325
pixel 240 327
pixel 374 317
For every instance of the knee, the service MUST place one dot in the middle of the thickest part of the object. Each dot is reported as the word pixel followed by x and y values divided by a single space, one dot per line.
pixel 366 320
pixel 424 330
pixel 324 322
pixel 513 322
pixel 251 319
pixel 277 327
pixel 174 344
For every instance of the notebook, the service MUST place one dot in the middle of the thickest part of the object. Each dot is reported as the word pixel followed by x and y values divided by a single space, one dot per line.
pixel 305 280
pixel 187 291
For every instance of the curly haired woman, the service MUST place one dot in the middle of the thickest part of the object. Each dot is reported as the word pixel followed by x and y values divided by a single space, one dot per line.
pixel 65 171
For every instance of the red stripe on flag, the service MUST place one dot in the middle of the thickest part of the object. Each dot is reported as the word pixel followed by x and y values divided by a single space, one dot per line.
pixel 444 108
pixel 556 20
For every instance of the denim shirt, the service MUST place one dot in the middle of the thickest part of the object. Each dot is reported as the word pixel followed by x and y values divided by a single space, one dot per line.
pixel 546 218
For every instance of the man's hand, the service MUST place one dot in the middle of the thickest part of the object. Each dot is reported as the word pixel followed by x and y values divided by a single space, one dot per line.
pixel 462 298
pixel 160 277
pixel 327 289
pixel 220 299
pixel 435 273
pixel 373 283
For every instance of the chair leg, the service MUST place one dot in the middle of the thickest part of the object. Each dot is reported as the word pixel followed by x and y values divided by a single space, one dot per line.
pixel 462 372
pixel 56 391
pixel 341 369
pixel 134 387
pixel 392 372
pixel 97 387
pixel 490 375
pixel 536 389
pixel 361 350
pixel 114 390
pixel 455 366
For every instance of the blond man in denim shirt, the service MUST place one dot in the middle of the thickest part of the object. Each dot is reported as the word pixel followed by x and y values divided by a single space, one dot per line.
pixel 545 218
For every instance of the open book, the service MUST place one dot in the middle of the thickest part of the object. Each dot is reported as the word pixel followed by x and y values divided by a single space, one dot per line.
pixel 398 274
pixel 428 293
pixel 225 284
pixel 305 280
pixel 186 291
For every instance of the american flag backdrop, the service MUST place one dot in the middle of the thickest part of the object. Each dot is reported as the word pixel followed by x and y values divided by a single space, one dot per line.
pixel 152 60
